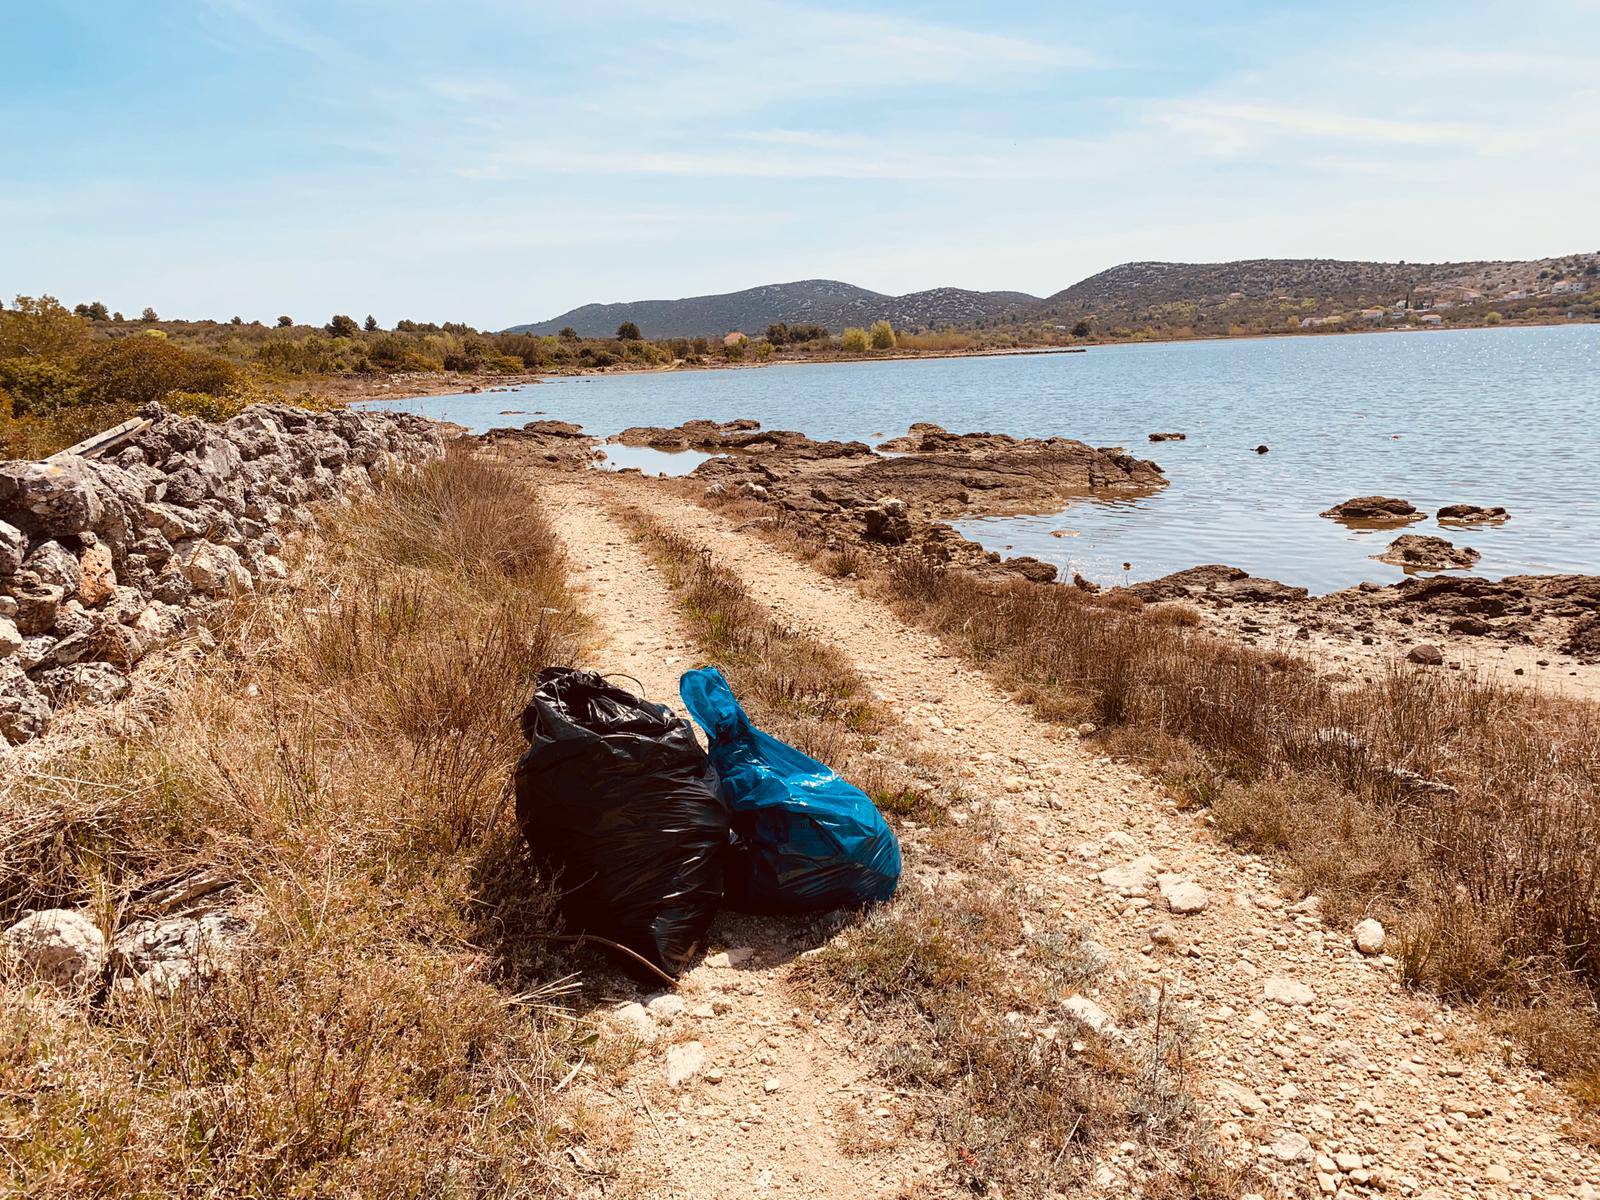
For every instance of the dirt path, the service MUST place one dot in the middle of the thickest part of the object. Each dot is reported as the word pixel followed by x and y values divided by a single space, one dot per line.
pixel 760 1114
pixel 1341 1079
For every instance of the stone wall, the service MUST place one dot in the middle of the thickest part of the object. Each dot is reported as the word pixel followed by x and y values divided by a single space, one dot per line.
pixel 104 560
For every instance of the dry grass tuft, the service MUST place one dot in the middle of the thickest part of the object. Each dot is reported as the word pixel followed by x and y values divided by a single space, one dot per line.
pixel 1461 812
pixel 1023 1102
pixel 393 1027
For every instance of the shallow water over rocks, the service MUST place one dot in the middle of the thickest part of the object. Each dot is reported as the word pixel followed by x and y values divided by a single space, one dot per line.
pixel 1491 417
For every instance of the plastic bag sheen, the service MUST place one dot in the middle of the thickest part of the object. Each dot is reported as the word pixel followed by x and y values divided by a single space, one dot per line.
pixel 616 799
pixel 806 840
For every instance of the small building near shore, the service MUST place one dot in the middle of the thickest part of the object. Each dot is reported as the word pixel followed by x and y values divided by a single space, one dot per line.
pixel 734 338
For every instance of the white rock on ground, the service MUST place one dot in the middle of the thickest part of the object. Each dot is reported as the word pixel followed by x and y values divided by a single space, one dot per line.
pixel 1287 991
pixel 1290 1147
pixel 164 953
pixel 1133 877
pixel 1088 1012
pixel 1183 896
pixel 633 1017
pixel 665 1005
pixel 1238 1096
pixel 63 947
pixel 684 1062
pixel 1369 936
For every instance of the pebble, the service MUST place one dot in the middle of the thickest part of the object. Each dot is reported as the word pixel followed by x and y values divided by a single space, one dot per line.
pixel 771 1085
pixel 665 1005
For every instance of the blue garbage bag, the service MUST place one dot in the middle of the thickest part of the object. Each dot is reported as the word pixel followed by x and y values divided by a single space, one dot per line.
pixel 804 839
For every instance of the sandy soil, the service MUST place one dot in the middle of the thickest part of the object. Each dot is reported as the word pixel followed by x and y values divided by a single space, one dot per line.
pixel 1316 1062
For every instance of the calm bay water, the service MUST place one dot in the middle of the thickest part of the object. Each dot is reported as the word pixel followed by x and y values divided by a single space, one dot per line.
pixel 1496 416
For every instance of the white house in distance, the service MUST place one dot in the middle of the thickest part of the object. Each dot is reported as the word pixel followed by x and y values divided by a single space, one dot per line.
pixel 734 338
pixel 1569 285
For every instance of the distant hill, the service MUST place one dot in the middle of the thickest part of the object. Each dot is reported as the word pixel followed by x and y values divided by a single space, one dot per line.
pixel 1264 293
pixel 1138 299
pixel 825 302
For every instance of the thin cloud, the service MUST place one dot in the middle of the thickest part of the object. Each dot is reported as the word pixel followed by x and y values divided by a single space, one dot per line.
pixel 1233 128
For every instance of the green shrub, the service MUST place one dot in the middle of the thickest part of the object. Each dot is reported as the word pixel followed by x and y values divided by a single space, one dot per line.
pixel 855 340
pixel 882 335
pixel 39 385
pixel 41 328
pixel 394 352
pixel 138 370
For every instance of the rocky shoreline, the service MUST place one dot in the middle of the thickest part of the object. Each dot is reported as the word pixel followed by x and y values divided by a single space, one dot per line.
pixel 103 561
pixel 901 495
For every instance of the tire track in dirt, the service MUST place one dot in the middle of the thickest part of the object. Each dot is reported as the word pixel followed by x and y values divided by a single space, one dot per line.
pixel 1317 1062
pixel 759 1117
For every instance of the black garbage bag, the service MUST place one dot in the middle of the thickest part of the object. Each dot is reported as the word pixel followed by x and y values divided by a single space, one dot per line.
pixel 618 801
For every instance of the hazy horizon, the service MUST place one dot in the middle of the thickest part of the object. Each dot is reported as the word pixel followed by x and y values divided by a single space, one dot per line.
pixel 490 164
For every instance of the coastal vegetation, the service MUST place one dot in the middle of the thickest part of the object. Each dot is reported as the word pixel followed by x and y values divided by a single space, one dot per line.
pixel 398 1021
pixel 1459 813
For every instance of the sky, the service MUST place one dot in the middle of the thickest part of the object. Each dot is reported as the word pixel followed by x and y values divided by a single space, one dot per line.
pixel 497 162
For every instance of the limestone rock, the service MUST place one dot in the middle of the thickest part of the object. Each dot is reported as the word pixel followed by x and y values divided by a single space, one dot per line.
pixel 61 494
pixel 1088 1013
pixel 1423 552
pixel 1426 655
pixel 53 563
pixel 164 953
pixel 1369 936
pixel 1374 510
pixel 24 709
pixel 1183 896
pixel 684 1062
pixel 664 1006
pixel 1287 991
pixel 1290 1146
pixel 97 575
pixel 886 521
pixel 57 945
pixel 1131 878
pixel 1236 1095
pixel 13 549
pixel 211 569
pixel 1472 514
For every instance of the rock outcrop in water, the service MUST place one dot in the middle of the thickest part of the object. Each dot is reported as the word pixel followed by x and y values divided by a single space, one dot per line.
pixel 1216 583
pixel 1374 510
pixel 103 561
pixel 1472 514
pixel 1423 552
pixel 736 437
pixel 558 444
pixel 841 491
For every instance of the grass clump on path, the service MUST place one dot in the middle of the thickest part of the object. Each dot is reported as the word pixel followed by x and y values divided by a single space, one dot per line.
pixel 393 1025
